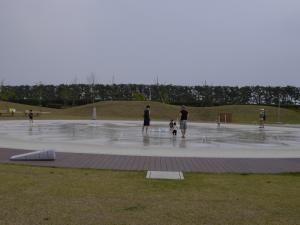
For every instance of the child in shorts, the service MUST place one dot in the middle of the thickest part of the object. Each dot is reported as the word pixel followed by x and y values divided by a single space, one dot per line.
pixel 174 129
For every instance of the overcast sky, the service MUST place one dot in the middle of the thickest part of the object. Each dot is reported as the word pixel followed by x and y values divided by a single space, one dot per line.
pixel 222 42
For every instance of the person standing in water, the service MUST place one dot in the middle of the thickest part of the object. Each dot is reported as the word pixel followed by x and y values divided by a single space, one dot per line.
pixel 262 118
pixel 183 114
pixel 146 119
pixel 30 116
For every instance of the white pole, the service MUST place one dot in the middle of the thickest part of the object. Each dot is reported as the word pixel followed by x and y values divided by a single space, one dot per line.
pixel 94 115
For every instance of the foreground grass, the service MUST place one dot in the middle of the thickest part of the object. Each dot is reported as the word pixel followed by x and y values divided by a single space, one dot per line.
pixel 36 195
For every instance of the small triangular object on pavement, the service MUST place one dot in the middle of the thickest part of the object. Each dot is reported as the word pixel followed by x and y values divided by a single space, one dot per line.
pixel 45 155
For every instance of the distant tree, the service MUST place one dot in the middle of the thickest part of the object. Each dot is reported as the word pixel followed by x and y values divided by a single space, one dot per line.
pixel 291 95
pixel 257 94
pixel 64 93
pixel 204 95
pixel 38 90
pixel 138 96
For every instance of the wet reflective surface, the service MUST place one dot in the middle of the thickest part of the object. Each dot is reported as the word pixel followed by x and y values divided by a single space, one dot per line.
pixel 125 137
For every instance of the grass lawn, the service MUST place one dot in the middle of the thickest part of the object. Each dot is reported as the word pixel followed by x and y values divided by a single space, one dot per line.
pixel 40 195
pixel 133 110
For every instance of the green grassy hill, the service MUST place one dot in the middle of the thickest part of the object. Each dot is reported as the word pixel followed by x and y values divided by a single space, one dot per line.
pixel 133 110
pixel 21 108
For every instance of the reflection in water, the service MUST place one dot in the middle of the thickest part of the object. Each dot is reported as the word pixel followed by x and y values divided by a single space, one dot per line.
pixel 174 141
pixel 146 140
pixel 73 132
pixel 262 135
pixel 127 135
pixel 30 130
pixel 182 143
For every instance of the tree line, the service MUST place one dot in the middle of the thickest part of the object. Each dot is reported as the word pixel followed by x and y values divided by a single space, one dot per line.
pixel 65 95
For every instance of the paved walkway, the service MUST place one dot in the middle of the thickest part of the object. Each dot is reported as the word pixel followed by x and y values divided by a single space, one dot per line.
pixel 185 164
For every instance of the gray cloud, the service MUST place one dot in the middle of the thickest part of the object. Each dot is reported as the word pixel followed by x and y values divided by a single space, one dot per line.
pixel 233 42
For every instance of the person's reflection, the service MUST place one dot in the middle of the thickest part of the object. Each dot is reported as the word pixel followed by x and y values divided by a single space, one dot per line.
pixel 94 132
pixel 73 131
pixel 174 141
pixel 262 135
pixel 146 140
pixel 182 143
pixel 30 131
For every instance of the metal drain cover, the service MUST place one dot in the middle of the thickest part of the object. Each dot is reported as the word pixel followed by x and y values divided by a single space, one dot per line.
pixel 172 175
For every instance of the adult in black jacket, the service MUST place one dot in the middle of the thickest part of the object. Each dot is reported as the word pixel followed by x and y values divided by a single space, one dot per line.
pixel 183 114
pixel 146 118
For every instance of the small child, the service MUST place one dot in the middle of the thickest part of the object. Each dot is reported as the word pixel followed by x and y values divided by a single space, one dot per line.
pixel 174 129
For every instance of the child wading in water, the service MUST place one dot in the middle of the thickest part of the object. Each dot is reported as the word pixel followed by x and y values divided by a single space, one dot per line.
pixel 174 129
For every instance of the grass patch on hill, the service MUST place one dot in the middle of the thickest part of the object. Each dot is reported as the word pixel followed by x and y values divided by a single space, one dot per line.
pixel 133 110
pixel 40 195
pixel 21 108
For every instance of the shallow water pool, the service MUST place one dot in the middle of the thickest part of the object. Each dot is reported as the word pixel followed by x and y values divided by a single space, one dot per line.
pixel 126 138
